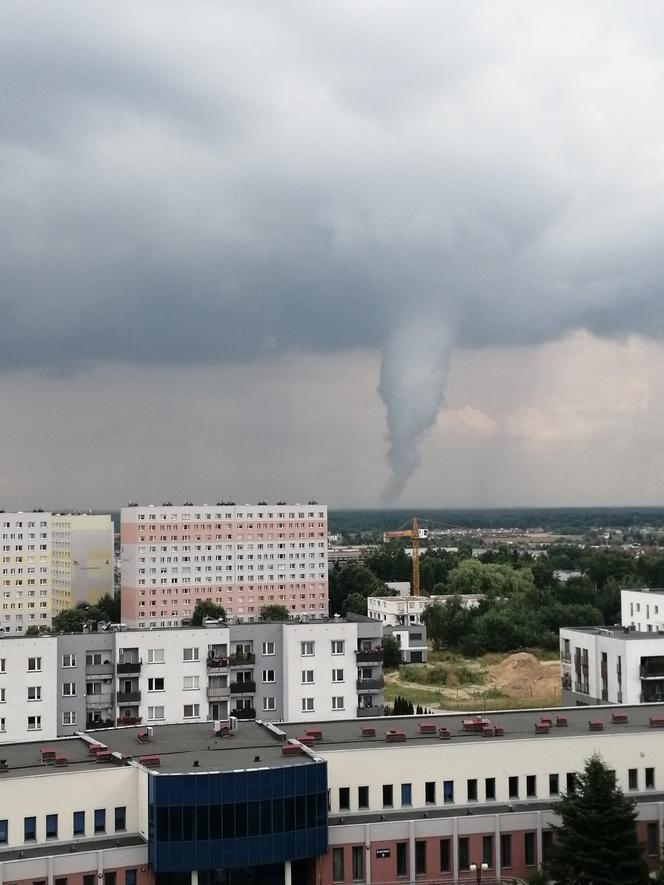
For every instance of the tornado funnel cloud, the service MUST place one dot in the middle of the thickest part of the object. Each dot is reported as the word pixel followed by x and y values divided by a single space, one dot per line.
pixel 413 375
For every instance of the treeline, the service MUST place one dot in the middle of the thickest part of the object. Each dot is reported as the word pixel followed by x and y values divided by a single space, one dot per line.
pixel 524 604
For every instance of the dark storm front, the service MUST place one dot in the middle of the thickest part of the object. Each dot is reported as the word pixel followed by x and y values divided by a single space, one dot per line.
pixel 237 819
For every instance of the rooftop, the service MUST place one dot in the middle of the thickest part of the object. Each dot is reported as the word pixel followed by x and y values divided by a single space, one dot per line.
pixel 616 632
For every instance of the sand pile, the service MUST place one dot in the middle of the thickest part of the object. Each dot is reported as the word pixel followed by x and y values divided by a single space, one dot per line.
pixel 521 675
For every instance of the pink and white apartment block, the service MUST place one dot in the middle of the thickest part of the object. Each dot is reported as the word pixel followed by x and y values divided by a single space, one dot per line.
pixel 242 557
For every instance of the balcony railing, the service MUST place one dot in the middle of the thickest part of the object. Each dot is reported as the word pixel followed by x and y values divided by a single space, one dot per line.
pixel 99 669
pixel 567 658
pixel 242 659
pixel 216 693
pixel 249 713
pixel 128 697
pixel 99 701
pixel 243 687
pixel 364 712
pixel 369 654
pixel 129 720
pixel 652 671
pixel 370 684
pixel 129 667
pixel 214 664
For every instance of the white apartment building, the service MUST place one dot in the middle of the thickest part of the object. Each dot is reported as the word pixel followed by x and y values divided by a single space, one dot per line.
pixel 46 567
pixel 643 610
pixel 28 688
pixel 92 545
pixel 403 610
pixel 241 557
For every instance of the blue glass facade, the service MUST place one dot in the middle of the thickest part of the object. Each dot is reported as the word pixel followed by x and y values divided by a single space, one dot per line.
pixel 225 820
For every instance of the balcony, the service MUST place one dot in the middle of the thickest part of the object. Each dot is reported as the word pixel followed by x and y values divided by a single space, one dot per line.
pixel 242 659
pixel 99 702
pixel 216 664
pixel 129 720
pixel 128 697
pixel 218 693
pixel 369 655
pixel 365 712
pixel 249 713
pixel 566 658
pixel 129 667
pixel 243 687
pixel 99 669
pixel 652 671
pixel 370 684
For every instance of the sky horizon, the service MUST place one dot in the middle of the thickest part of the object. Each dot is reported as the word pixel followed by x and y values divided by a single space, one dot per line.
pixel 364 253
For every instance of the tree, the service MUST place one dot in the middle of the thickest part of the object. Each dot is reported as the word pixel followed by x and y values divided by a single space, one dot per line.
pixel 391 653
pixel 597 841
pixel 447 621
pixel 355 602
pixel 274 613
pixel 205 608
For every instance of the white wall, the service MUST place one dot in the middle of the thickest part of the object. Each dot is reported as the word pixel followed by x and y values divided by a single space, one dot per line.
pixel 15 681
pixel 642 610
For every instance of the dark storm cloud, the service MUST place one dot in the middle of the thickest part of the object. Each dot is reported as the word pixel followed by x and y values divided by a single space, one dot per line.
pixel 200 182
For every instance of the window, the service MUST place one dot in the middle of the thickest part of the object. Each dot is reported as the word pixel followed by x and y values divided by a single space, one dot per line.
pixel 79 823
pixel 337 703
pixel 60 880
pixel 307 677
pixel 337 864
pixel 191 683
pixel 430 792
pixel 554 788
pixel 29 829
pixel 420 857
pixel 513 787
pixel 3 665
pixel 69 660
pixel 120 818
pixel 307 649
pixel 489 788
pixel 100 820
pixel 110 878
pixel 464 853
pixel 269 704
pixel 652 839
pixel 69 717
pixel 506 849
pixel 189 654
pixel 337 646
pixel 529 849
pixel 34 665
pixel 307 705
pixel 192 711
pixel 406 794
pixel 448 791
pixel 402 858
pixel 156 656
pixel 633 779
pixel 571 781
pixel 268 676
pixel 156 683
pixel 34 692
pixel 472 790
pixel 445 855
pixel 547 845
pixel 34 723
pixel 337 676
pixel 487 850
pixel 68 689
pixel 51 826
pixel 387 796
pixel 363 797
pixel 344 798
pixel 650 778
pixel 531 785
pixel 131 877
pixel 358 862
pixel 268 648
pixel 156 713
pixel 4 831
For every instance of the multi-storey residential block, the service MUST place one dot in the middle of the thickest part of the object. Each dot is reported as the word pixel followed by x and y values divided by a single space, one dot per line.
pixel 403 610
pixel 407 799
pixel 241 557
pixel 643 610
pixel 412 642
pixel 272 671
pixel 46 567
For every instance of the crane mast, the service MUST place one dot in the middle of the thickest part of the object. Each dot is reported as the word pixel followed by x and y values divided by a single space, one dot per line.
pixel 416 557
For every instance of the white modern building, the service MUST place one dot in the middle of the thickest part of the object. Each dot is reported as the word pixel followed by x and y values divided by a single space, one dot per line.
pixel 28 688
pixel 403 610
pixel 643 610
pixel 241 557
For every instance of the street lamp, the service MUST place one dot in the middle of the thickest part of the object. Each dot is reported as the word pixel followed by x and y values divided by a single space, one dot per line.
pixel 479 869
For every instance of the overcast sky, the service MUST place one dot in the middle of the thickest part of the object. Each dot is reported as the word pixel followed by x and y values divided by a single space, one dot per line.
pixel 404 251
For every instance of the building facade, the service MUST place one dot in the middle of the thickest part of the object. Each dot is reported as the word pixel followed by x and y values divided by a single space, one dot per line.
pixel 60 685
pixel 323 803
pixel 643 610
pixel 241 557
pixel 404 610
pixel 48 565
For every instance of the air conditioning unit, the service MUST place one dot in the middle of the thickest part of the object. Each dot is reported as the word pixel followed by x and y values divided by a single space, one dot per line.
pixel 150 731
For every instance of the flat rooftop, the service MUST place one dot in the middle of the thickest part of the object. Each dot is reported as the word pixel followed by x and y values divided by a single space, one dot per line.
pixel 617 632
pixel 517 725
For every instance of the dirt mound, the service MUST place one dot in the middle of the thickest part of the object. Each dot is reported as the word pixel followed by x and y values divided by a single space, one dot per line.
pixel 522 676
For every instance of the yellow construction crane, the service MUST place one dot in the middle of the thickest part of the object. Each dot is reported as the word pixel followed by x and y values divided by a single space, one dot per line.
pixel 416 534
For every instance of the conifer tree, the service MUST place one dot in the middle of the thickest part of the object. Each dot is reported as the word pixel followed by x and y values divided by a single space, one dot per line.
pixel 597 842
